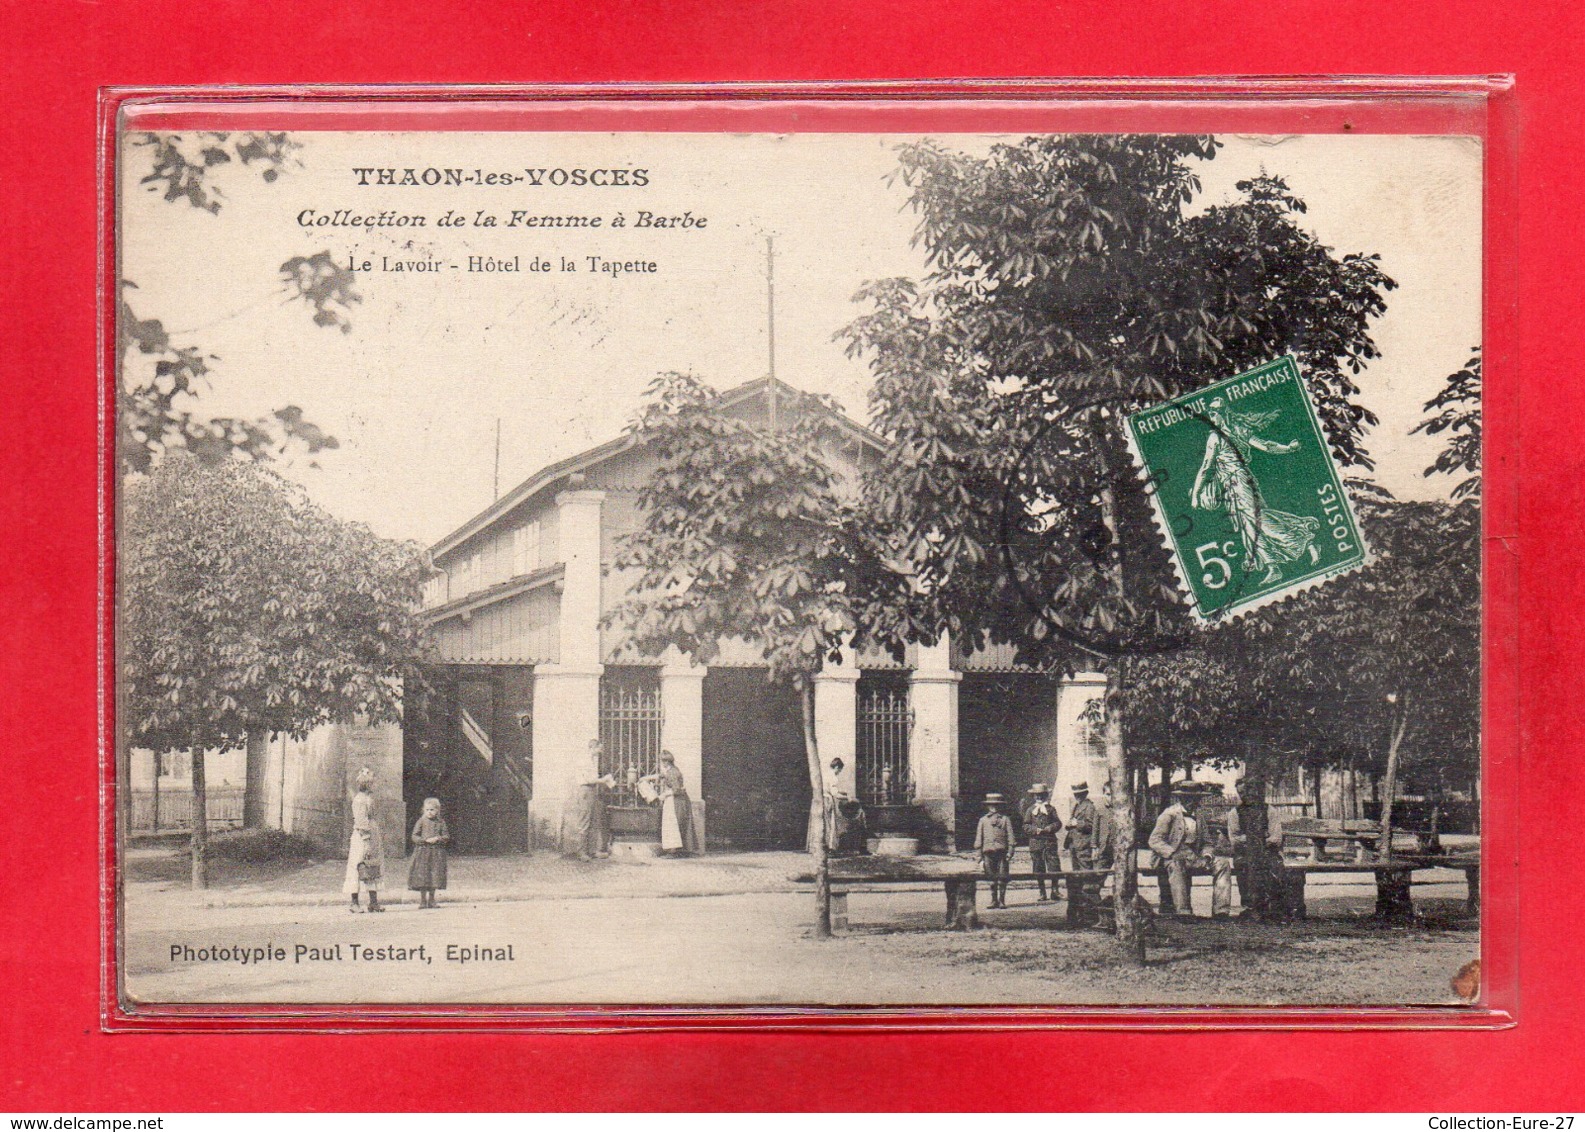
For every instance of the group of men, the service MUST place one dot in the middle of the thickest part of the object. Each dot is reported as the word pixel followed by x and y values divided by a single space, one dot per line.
pixel 1090 839
pixel 1201 828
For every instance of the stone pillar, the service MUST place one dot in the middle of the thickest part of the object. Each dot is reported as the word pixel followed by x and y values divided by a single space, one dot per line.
pixel 566 717
pixel 1071 763
pixel 682 727
pixel 567 693
pixel 933 746
pixel 837 721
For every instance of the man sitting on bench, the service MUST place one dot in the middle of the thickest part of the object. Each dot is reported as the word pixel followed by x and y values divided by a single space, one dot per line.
pixel 1173 842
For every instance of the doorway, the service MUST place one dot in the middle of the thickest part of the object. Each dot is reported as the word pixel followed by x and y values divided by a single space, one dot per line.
pixel 756 776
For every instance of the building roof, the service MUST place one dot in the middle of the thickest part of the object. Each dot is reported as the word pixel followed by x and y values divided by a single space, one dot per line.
pixel 552 476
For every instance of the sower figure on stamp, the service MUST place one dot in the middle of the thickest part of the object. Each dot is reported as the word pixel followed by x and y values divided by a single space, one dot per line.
pixel 1269 538
pixel 1172 845
pixel 1083 819
pixel 993 841
pixel 1041 827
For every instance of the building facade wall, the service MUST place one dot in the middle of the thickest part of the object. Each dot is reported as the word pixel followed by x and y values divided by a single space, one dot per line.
pixel 555 632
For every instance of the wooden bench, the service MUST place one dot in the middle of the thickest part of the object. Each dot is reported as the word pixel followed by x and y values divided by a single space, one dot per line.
pixel 1394 879
pixel 1361 840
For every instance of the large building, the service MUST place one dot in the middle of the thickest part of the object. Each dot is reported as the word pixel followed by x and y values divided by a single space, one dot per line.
pixel 526 676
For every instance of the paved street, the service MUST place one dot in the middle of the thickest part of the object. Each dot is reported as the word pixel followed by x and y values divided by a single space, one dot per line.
pixel 736 930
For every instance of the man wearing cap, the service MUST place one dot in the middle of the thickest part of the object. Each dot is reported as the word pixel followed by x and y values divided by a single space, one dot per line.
pixel 1041 826
pixel 1081 828
pixel 993 840
pixel 1172 842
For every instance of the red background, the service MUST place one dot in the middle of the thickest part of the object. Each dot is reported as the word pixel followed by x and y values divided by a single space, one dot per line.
pixel 52 1053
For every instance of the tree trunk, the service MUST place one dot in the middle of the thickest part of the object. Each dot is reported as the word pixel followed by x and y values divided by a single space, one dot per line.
pixel 1125 877
pixel 200 822
pixel 819 816
pixel 1255 888
pixel 1125 865
pixel 258 758
pixel 1390 786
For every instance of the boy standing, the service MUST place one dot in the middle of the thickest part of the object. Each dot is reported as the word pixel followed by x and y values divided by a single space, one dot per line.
pixel 993 840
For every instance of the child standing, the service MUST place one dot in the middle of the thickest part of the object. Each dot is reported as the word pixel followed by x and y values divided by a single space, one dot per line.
pixel 430 837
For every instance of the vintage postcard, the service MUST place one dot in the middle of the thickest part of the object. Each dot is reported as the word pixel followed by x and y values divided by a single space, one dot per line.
pixel 830 569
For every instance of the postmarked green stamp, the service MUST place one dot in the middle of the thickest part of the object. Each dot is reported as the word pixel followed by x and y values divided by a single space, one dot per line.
pixel 1246 491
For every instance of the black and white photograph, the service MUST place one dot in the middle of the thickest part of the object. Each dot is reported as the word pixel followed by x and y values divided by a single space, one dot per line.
pixel 719 569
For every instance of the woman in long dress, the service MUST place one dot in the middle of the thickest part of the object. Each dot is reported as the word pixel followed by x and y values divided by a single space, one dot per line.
pixel 677 833
pixel 366 850
pixel 1268 537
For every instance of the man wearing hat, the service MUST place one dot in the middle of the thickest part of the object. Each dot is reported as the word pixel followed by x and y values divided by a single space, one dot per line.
pixel 993 840
pixel 1173 841
pixel 1083 820
pixel 1041 826
pixel 1081 828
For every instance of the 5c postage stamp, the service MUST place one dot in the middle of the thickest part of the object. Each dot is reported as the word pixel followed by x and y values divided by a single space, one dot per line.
pixel 1246 491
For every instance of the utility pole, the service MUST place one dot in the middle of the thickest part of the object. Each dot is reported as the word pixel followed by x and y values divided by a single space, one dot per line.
pixel 495 484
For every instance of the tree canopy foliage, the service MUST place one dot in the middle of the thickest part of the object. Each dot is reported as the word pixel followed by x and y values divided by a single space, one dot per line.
pixel 748 534
pixel 1318 680
pixel 162 378
pixel 1456 410
pixel 246 608
pixel 1073 280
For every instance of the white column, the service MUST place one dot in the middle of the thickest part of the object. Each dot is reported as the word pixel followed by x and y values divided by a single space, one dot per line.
pixel 837 721
pixel 933 745
pixel 567 693
pixel 566 718
pixel 682 726
pixel 1072 763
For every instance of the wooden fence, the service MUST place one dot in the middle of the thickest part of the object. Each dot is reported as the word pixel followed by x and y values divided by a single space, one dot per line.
pixel 173 813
